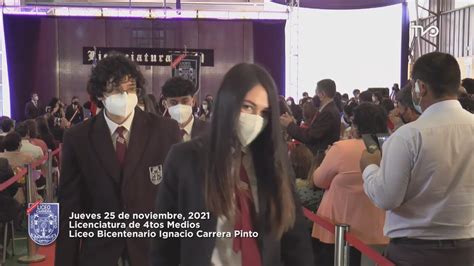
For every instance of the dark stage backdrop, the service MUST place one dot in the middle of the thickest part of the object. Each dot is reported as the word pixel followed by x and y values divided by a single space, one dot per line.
pixel 44 54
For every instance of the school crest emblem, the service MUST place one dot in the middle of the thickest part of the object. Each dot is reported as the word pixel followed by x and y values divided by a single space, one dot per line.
pixel 156 174
pixel 43 223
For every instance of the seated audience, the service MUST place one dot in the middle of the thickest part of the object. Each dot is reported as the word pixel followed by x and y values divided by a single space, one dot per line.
pixel 12 144
pixel 45 134
pixel 33 136
pixel 26 145
pixel 7 126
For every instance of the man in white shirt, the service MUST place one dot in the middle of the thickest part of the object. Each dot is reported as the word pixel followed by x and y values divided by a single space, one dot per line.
pixel 425 180
pixel 179 94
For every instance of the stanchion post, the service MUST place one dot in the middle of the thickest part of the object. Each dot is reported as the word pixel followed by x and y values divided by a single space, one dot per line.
pixel 30 198
pixel 49 178
pixel 341 249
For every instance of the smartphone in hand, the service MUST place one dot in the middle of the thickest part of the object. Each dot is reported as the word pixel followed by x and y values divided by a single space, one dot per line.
pixel 370 143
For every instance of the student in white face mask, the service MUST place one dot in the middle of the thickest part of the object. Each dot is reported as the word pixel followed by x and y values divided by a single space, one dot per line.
pixel 239 175
pixel 179 95
pixel 112 163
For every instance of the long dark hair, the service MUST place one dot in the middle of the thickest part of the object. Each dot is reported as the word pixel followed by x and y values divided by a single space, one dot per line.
pixel 44 132
pixel 268 150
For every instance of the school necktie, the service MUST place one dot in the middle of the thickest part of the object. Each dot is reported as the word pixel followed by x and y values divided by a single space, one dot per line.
pixel 120 145
pixel 182 132
pixel 247 246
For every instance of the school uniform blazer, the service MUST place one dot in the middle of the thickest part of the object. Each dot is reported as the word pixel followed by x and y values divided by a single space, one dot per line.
pixel 199 128
pixel 92 182
pixel 182 191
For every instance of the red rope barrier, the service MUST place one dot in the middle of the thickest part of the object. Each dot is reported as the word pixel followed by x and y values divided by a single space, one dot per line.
pixel 354 241
pixel 56 151
pixel 23 171
pixel 320 221
pixel 369 252
pixel 13 179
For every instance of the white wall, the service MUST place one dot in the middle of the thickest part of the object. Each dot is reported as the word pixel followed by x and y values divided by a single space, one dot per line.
pixel 355 48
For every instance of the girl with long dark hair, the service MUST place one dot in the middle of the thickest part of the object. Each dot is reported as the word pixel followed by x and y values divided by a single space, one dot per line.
pixel 239 175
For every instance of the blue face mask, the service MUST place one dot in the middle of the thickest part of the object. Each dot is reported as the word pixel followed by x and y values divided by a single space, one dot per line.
pixel 417 92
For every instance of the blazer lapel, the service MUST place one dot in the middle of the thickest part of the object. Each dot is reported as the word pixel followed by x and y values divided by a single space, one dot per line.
pixel 102 145
pixel 139 137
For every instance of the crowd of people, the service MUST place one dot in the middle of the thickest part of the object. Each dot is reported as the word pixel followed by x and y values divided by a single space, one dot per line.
pixel 252 158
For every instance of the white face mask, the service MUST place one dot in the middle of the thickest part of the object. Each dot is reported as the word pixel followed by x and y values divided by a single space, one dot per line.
pixel 249 127
pixel 204 107
pixel 120 104
pixel 289 103
pixel 181 112
pixel 417 92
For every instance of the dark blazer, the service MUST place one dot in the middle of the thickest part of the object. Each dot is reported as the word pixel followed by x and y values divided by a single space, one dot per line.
pixel 324 131
pixel 199 128
pixel 32 111
pixel 182 192
pixel 6 172
pixel 92 182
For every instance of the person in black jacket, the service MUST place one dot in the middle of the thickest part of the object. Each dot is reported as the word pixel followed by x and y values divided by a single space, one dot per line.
pixel 32 108
pixel 238 179
pixel 325 129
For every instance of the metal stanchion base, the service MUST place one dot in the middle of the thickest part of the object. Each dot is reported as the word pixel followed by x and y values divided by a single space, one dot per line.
pixel 29 259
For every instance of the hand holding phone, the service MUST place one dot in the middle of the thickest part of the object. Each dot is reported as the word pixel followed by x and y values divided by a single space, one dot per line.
pixel 370 143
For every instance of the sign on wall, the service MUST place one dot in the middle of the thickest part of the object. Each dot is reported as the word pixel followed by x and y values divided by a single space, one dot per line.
pixel 146 56
pixel 187 67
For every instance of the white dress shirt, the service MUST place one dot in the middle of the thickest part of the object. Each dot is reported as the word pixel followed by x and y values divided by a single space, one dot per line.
pixel 426 177
pixel 127 124
pixel 223 253
pixel 188 130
